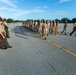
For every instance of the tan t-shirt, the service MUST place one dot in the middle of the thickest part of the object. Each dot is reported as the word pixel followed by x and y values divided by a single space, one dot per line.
pixel 5 24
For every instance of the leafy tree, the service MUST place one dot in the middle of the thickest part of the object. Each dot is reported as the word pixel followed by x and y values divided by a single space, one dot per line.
pixel 16 21
pixel 10 20
pixel 70 21
pixel 57 20
pixel 63 20
pixel 74 20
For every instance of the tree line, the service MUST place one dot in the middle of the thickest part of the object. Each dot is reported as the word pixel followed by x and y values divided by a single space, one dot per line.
pixel 10 20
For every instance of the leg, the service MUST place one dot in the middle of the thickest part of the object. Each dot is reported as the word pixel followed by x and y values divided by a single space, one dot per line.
pixel 72 32
pixel 7 32
pixel 75 33
pixel 63 31
pixel 5 42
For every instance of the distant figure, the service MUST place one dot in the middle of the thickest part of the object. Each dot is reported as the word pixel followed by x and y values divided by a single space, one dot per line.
pixel 57 24
pixel 55 29
pixel 32 25
pixel 65 28
pixel 36 26
pixel 23 24
pixel 74 29
pixel 51 26
pixel 45 30
pixel 40 28
pixel 6 27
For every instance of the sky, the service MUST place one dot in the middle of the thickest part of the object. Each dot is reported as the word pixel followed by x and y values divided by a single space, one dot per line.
pixel 37 9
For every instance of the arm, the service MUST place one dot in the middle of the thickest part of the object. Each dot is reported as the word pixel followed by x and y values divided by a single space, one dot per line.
pixel 4 23
pixel 2 35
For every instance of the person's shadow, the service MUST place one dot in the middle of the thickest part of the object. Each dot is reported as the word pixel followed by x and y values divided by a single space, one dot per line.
pixel 23 32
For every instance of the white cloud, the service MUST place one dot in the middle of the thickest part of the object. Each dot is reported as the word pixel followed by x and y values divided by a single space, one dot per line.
pixel 21 11
pixel 61 1
pixel 14 12
pixel 61 13
pixel 7 2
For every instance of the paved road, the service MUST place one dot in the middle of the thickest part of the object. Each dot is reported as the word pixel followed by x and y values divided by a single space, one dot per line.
pixel 31 55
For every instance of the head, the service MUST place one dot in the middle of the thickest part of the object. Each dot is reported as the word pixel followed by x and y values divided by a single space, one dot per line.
pixel 0 19
pixel 4 20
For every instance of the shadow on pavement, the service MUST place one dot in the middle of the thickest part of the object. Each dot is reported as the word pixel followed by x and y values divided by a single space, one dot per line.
pixel 68 34
pixel 22 32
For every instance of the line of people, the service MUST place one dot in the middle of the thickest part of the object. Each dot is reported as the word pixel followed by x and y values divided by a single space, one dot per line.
pixel 44 27
pixel 65 28
pixel 4 34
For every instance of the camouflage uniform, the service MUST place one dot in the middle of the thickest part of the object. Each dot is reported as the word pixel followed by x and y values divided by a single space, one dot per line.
pixel 40 28
pixel 65 28
pixel 45 30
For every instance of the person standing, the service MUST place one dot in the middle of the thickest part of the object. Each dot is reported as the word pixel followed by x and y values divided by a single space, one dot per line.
pixel 3 40
pixel 40 29
pixel 74 29
pixel 57 25
pixel 65 28
pixel 48 25
pixel 55 28
pixel 36 26
pixel 45 30
pixel 51 26
pixel 6 27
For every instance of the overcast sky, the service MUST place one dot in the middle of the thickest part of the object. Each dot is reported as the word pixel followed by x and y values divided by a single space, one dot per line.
pixel 37 9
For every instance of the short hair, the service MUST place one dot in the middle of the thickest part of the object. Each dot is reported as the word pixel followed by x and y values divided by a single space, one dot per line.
pixel 0 19
pixel 4 20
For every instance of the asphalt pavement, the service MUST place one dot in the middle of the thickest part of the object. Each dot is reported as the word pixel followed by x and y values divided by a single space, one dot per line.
pixel 31 55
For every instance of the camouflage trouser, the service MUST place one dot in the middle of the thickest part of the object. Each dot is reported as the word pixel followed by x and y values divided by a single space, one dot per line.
pixel 4 43
pixel 75 33
pixel 35 29
pixel 48 31
pixel 40 31
pixel 7 32
pixel 45 32
pixel 64 31
pixel 51 30
pixel 55 30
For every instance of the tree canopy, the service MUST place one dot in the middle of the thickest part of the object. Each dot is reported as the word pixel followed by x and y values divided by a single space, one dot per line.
pixel 10 20
pixel 63 20
pixel 74 20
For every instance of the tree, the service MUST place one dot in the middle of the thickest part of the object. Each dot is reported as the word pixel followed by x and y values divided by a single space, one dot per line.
pixel 57 20
pixel 10 20
pixel 74 20
pixel 18 21
pixel 63 20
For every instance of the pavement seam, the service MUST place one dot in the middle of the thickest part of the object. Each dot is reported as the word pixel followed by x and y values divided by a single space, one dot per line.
pixel 64 49
pixel 45 57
